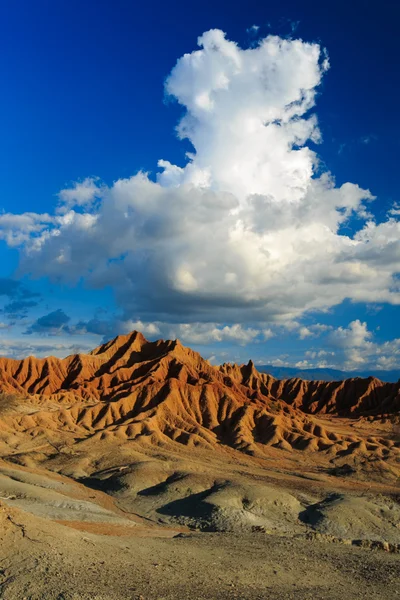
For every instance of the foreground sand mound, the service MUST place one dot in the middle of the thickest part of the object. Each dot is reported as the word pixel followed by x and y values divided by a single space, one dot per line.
pixel 351 517
pixel 46 496
pixel 230 506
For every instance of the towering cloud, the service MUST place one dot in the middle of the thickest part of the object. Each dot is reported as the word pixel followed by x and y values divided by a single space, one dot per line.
pixel 249 229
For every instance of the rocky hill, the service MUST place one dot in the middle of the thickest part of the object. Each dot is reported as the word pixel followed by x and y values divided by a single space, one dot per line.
pixel 131 389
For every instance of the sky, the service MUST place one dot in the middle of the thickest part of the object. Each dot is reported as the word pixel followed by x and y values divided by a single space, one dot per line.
pixel 221 172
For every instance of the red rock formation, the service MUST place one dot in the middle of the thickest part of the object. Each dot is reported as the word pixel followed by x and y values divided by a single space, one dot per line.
pixel 130 388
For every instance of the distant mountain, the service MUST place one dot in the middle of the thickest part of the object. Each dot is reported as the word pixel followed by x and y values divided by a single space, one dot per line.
pixel 327 374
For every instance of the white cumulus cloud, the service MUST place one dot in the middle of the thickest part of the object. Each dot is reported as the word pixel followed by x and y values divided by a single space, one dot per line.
pixel 248 231
pixel 355 347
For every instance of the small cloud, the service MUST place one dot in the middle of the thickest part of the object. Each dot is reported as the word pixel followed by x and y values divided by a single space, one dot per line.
pixel 268 334
pixel 107 329
pixel 53 323
pixel 291 325
pixel 303 364
pixel 253 29
pixel 367 139
pixel 319 328
pixel 114 326
pixel 22 348
pixel 395 210
pixel 373 309
pixel 294 25
pixel 20 298
pixel 304 333
pixel 12 288
pixel 82 193
pixel 356 335
pixel 18 309
pixel 208 333
pixel 278 362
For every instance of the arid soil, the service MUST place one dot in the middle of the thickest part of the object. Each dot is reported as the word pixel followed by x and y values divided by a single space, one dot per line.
pixel 141 471
pixel 63 563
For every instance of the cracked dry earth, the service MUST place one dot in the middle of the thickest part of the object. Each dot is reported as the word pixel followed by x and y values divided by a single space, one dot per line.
pixel 141 472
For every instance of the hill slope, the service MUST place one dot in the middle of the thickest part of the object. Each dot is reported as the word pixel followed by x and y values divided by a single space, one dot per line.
pixel 163 392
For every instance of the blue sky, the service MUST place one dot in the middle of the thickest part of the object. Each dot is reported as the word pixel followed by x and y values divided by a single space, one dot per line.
pixel 193 252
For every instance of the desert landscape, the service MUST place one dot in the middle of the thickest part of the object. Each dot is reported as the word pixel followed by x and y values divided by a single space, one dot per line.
pixel 141 471
pixel 199 300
